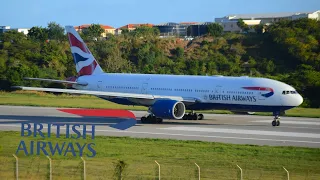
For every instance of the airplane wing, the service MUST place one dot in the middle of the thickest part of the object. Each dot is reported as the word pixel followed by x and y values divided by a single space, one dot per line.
pixel 110 94
pixel 57 81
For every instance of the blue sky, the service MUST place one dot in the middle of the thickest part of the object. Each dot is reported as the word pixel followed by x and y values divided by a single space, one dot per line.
pixel 29 13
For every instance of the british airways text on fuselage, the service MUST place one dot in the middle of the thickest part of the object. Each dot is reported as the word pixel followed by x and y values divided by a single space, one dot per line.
pixel 223 97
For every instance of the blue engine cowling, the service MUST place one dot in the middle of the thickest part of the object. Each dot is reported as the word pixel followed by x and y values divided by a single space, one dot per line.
pixel 168 109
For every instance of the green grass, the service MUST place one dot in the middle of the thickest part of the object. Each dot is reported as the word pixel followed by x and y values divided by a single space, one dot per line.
pixel 26 98
pixel 177 158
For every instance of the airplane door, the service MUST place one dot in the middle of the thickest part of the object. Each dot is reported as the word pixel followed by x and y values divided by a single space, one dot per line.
pixel 144 88
pixel 99 85
pixel 217 90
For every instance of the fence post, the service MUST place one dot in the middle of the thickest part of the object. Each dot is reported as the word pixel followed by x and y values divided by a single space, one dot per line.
pixel 198 170
pixel 159 169
pixel 17 171
pixel 240 172
pixel 50 164
pixel 84 169
pixel 287 172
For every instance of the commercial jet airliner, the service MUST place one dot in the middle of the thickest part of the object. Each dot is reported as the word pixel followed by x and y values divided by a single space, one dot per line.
pixel 169 96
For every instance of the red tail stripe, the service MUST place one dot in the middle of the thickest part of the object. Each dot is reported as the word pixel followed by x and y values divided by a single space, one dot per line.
pixel 75 42
pixel 88 70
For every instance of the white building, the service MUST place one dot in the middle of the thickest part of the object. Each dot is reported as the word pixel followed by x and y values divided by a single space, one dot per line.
pixel 229 22
pixel 4 29
pixel 8 28
pixel 22 30
pixel 311 15
pixel 231 26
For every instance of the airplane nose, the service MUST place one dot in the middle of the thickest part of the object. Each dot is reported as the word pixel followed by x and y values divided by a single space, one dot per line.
pixel 299 100
pixel 292 100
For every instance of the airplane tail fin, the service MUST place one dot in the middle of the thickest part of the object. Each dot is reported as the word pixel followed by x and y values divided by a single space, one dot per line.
pixel 85 63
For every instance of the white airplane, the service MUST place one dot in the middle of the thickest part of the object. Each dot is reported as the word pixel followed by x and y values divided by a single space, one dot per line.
pixel 169 96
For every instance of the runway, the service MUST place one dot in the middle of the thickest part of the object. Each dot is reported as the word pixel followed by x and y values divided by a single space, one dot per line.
pixel 236 129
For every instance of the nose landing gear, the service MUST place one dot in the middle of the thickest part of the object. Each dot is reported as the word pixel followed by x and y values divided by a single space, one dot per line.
pixel 276 121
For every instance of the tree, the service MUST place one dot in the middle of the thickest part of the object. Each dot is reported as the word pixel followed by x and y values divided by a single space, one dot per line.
pixel 93 31
pixel 307 82
pixel 38 33
pixel 145 31
pixel 15 74
pixel 124 31
pixel 241 24
pixel 179 52
pixel 55 31
pixel 12 37
pixel 215 29
pixel 259 28
pixel 120 168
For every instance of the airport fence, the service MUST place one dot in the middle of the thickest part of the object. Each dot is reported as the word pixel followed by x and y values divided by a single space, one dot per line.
pixel 47 168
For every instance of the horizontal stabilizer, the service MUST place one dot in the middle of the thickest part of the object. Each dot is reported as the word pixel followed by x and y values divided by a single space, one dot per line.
pixel 56 81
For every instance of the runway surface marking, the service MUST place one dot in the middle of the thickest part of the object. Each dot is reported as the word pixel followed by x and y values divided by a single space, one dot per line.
pixel 188 135
pixel 247 131
pixel 291 122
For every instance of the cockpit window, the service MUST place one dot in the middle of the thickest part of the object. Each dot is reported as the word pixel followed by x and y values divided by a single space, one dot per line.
pixel 289 92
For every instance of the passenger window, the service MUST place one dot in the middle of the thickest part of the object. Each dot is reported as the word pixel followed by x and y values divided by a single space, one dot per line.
pixel 283 92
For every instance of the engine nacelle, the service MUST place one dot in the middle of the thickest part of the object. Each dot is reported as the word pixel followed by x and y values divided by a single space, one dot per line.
pixel 168 109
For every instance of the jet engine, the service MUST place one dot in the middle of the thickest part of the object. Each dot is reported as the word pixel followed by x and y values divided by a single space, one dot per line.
pixel 168 109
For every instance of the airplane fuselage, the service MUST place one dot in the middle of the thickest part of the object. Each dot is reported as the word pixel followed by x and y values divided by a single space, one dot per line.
pixel 210 92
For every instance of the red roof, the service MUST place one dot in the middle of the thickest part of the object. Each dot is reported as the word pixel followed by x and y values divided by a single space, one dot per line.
pixel 87 25
pixel 107 27
pixel 82 26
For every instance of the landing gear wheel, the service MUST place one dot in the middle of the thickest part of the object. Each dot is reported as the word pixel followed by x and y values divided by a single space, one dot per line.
pixel 159 120
pixel 276 120
pixel 195 116
pixel 192 116
pixel 151 119
pixel 200 116
pixel 143 119
pixel 185 117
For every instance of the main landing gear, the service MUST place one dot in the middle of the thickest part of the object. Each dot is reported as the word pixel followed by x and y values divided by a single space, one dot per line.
pixel 193 116
pixel 151 119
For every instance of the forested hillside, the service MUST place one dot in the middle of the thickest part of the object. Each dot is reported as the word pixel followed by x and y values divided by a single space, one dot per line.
pixel 288 51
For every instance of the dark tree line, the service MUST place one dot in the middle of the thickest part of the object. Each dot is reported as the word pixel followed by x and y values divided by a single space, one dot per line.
pixel 288 51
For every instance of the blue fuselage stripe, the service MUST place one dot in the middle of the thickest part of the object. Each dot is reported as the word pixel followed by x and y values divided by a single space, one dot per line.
pixel 217 106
